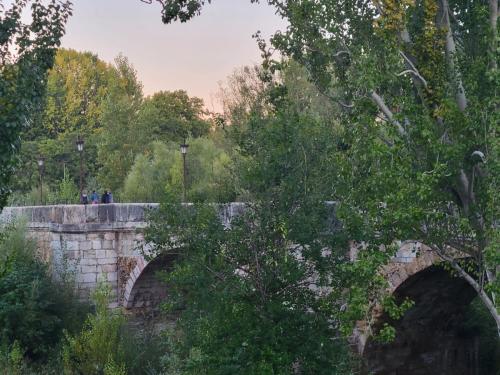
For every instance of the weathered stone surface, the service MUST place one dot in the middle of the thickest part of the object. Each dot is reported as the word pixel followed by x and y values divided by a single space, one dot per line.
pixel 92 213
pixel 85 245
pixel 71 245
pixel 87 277
pixel 106 244
pixel 88 269
pixel 106 268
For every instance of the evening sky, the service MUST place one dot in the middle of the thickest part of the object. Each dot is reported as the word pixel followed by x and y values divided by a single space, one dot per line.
pixel 193 56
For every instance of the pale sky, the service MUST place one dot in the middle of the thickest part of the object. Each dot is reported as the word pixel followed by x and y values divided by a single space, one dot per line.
pixel 193 56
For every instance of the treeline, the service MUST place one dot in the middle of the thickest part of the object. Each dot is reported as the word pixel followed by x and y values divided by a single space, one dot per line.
pixel 127 136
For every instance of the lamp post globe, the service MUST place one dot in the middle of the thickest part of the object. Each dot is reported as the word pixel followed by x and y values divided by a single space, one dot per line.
pixel 79 144
pixel 79 147
pixel 184 147
pixel 41 161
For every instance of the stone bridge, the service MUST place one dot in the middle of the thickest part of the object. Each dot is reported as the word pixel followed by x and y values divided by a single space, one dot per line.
pixel 103 242
pixel 99 243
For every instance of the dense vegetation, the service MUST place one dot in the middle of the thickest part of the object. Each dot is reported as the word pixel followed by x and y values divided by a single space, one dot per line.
pixel 416 84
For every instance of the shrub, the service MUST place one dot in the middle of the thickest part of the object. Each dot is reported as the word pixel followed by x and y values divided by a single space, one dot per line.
pixel 98 348
pixel 33 307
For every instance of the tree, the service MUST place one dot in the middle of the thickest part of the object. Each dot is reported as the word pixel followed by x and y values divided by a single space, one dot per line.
pixel 130 124
pixel 181 116
pixel 243 94
pixel 119 139
pixel 269 276
pixel 417 83
pixel 90 98
pixel 23 74
pixel 77 85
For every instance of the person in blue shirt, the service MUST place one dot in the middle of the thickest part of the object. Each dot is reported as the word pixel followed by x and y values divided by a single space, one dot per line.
pixel 94 197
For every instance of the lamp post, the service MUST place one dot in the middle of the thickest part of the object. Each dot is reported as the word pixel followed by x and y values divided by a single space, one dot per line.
pixel 184 148
pixel 79 147
pixel 40 162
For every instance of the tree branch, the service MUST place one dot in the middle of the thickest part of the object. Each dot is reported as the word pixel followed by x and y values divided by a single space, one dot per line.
pixel 387 113
pixel 412 69
pixel 451 50
pixel 474 284
pixel 493 5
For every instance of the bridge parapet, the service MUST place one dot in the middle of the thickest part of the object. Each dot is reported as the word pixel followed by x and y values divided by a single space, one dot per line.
pixel 78 218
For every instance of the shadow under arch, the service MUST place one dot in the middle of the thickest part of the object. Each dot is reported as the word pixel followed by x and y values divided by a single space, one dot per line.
pixel 429 338
pixel 144 289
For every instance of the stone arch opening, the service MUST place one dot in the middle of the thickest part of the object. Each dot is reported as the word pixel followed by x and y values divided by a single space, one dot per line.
pixel 144 289
pixel 430 338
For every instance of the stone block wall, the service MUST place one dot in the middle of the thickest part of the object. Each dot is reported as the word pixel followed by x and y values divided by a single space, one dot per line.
pixel 85 240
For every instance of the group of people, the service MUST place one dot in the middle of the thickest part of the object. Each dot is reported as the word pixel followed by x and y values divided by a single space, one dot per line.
pixel 106 197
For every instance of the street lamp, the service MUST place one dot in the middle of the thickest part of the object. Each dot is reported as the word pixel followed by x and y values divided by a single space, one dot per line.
pixel 184 148
pixel 40 162
pixel 79 147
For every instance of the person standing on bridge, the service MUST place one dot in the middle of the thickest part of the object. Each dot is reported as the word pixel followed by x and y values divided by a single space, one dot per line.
pixel 105 197
pixel 94 197
pixel 84 199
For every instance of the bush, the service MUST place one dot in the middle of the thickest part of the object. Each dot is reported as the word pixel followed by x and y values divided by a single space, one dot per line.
pixel 97 349
pixel 34 309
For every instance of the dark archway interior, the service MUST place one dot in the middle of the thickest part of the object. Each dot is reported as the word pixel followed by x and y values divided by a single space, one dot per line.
pixel 431 338
pixel 149 289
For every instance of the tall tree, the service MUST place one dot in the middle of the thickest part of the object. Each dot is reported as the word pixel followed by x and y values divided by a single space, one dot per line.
pixel 119 139
pixel 262 296
pixel 76 86
pixel 26 53
pixel 417 83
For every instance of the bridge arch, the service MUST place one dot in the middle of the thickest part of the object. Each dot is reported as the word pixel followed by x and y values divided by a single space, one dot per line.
pixel 144 288
pixel 430 337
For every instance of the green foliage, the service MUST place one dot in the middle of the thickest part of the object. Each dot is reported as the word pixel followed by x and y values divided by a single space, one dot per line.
pixel 102 103
pixel 77 85
pixel 23 74
pixel 97 349
pixel 208 173
pixel 416 88
pixel 12 359
pixel 269 276
pixel 68 191
pixel 120 138
pixel 149 176
pixel 250 279
pixel 108 346
pixel 33 308
pixel 181 116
